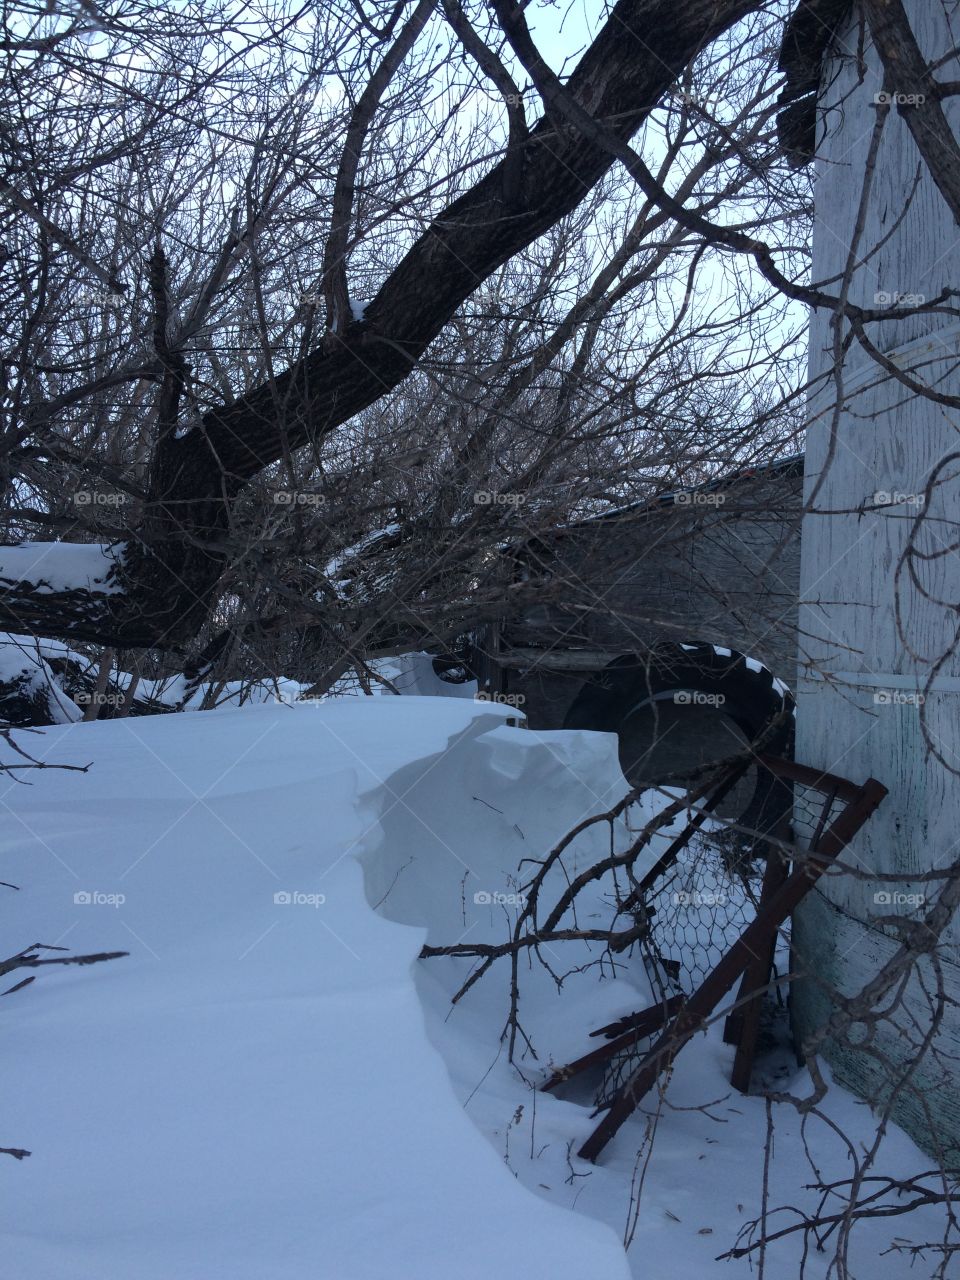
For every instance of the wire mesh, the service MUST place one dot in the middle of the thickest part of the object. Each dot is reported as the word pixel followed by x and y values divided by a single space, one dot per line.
pixel 700 904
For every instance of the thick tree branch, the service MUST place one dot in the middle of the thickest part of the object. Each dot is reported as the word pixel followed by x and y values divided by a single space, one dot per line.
pixel 336 293
pixel 172 569
pixel 918 96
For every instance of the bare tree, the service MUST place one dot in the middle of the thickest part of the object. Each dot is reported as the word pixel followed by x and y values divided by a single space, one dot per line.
pixel 229 359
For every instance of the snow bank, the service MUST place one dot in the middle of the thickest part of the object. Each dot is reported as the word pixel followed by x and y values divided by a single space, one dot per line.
pixel 24 664
pixel 469 818
pixel 272 1087
pixel 26 661
pixel 252 1092
pixel 61 566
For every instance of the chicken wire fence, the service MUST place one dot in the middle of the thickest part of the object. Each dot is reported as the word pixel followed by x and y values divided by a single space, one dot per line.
pixel 700 904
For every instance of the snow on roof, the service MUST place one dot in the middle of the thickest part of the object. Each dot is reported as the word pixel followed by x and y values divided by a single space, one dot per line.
pixel 658 501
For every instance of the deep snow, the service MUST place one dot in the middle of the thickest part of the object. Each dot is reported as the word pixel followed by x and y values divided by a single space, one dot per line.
pixel 274 1087
pixel 251 1093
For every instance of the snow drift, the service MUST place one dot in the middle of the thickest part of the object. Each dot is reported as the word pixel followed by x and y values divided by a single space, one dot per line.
pixel 271 1085
pixel 252 1091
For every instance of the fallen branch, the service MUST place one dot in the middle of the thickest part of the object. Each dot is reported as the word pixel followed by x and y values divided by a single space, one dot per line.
pixel 29 959
pixel 32 763
pixel 493 950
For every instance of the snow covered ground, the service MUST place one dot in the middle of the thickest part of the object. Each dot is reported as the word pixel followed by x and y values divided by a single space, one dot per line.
pixel 271 1085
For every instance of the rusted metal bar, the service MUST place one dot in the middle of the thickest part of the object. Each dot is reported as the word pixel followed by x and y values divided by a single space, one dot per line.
pixel 815 778
pixel 644 1023
pixel 776 871
pixel 742 1026
pixel 633 1020
pixel 753 941
pixel 755 980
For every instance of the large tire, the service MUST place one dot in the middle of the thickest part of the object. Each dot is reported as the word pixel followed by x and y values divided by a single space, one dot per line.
pixel 751 697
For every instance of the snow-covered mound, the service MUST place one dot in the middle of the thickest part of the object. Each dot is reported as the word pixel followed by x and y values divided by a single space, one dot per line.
pixel 62 566
pixel 252 1092
pixel 271 1085
pixel 44 673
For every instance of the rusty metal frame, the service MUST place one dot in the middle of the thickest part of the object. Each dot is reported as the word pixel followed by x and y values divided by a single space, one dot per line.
pixel 743 1024
pixel 749 957
pixel 625 1034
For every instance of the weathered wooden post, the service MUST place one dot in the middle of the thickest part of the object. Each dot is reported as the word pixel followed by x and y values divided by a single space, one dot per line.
pixel 879 686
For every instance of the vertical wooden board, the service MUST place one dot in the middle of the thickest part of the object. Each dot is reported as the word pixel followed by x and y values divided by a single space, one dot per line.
pixel 881 633
pixel 834 948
